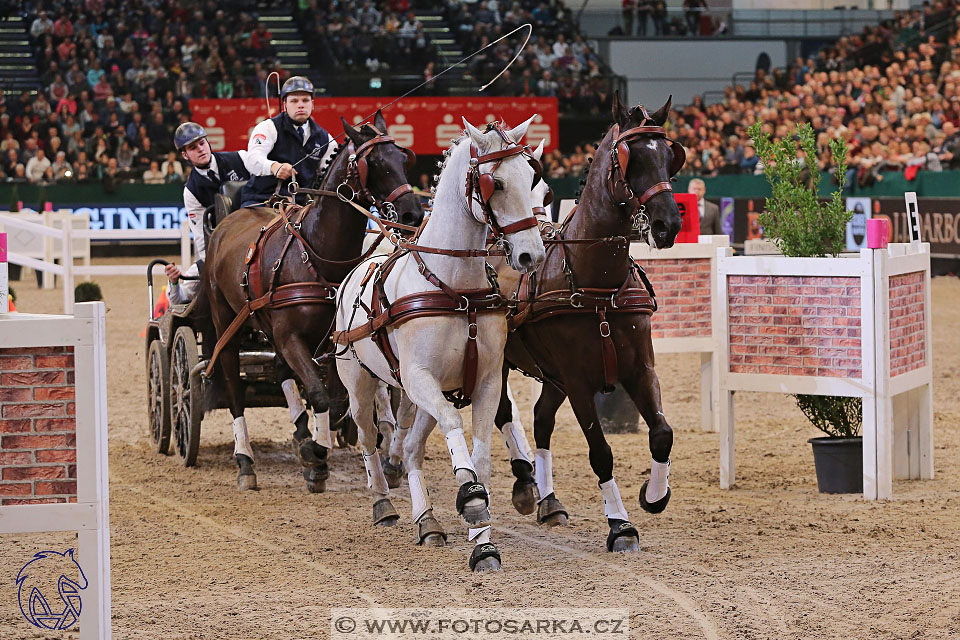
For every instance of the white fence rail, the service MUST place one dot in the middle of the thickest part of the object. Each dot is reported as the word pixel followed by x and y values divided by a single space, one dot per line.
pixel 30 228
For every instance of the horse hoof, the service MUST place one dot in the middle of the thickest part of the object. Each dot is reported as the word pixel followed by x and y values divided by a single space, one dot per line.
pixel 247 482
pixel 627 544
pixel 434 540
pixel 550 512
pixel 485 557
pixel 556 520
pixel 384 515
pixel 487 564
pixel 623 537
pixel 316 479
pixel 429 532
pixel 653 507
pixel 393 473
pixel 524 497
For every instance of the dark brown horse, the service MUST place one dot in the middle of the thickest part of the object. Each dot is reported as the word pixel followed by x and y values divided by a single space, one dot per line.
pixel 583 321
pixel 299 261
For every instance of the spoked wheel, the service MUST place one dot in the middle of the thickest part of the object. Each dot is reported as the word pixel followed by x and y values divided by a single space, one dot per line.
pixel 186 403
pixel 158 394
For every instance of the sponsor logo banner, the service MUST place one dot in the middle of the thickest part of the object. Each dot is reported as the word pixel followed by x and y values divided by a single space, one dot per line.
pixel 425 125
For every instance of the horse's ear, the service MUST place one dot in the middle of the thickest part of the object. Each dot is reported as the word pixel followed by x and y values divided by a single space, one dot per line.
pixel 660 116
pixel 538 152
pixel 619 112
pixel 352 133
pixel 380 122
pixel 475 134
pixel 516 134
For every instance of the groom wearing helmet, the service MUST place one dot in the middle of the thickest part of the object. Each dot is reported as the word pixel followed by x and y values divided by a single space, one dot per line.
pixel 210 171
pixel 287 144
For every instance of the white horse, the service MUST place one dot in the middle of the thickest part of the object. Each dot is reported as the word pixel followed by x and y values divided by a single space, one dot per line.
pixel 432 351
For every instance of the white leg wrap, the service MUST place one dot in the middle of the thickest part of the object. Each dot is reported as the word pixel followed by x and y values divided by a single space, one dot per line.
pixel 459 453
pixel 516 441
pixel 321 429
pixel 543 472
pixel 375 478
pixel 659 480
pixel 612 504
pixel 241 439
pixel 419 498
pixel 294 401
pixel 480 535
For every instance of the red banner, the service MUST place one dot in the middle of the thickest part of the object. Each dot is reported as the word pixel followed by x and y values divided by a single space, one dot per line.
pixel 425 125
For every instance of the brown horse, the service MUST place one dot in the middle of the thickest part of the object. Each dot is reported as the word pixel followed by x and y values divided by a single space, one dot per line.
pixel 299 261
pixel 583 321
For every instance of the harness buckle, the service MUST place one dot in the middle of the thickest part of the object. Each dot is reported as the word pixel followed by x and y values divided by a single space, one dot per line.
pixel 304 258
pixel 575 300
pixel 604 329
pixel 463 301
pixel 276 265
pixel 472 331
pixel 613 300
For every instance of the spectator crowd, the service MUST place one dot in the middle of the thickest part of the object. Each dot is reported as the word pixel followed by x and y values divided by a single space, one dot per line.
pixel 118 77
pixel 116 80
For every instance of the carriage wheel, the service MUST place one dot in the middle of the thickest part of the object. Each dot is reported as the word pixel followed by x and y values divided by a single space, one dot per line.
pixel 158 394
pixel 186 401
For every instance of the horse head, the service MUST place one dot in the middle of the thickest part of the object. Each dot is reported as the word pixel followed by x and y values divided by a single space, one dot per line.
pixel 376 172
pixel 500 175
pixel 640 161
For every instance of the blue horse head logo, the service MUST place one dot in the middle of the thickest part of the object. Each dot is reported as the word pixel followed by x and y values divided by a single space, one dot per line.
pixel 38 608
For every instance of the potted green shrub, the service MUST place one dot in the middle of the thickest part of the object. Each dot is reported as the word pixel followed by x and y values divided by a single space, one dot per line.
pixel 801 225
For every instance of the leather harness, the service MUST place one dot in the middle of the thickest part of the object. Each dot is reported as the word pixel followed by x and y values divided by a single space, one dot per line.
pixel 635 295
pixel 382 313
pixel 290 218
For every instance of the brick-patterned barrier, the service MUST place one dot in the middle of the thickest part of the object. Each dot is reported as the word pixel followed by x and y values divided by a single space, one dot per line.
pixel 683 288
pixel 685 280
pixel 38 429
pixel 907 323
pixel 852 326
pixel 53 444
pixel 795 325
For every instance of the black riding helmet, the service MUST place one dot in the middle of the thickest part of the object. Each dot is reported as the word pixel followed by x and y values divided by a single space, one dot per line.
pixel 295 84
pixel 186 134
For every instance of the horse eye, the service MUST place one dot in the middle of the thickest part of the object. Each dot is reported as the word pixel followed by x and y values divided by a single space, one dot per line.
pixel 498 185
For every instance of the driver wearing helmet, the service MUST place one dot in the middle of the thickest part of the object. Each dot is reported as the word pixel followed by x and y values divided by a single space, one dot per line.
pixel 210 171
pixel 290 142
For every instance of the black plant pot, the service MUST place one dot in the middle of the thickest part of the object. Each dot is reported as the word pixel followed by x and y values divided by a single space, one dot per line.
pixel 839 464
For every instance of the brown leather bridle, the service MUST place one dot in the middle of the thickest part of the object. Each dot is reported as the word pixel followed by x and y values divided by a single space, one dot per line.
pixel 481 184
pixel 620 189
pixel 355 183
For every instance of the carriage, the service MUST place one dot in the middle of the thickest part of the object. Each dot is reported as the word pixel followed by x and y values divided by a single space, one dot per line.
pixel 175 384
pixel 175 363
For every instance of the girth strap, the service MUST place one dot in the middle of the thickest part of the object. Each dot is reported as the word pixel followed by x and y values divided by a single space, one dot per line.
pixel 283 296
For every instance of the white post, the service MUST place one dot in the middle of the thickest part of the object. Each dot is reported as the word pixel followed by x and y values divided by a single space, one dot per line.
pixel 67 261
pixel 706 391
pixel 47 276
pixel 877 428
pixel 93 480
pixel 724 397
pixel 4 284
pixel 185 260
pixel 925 398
